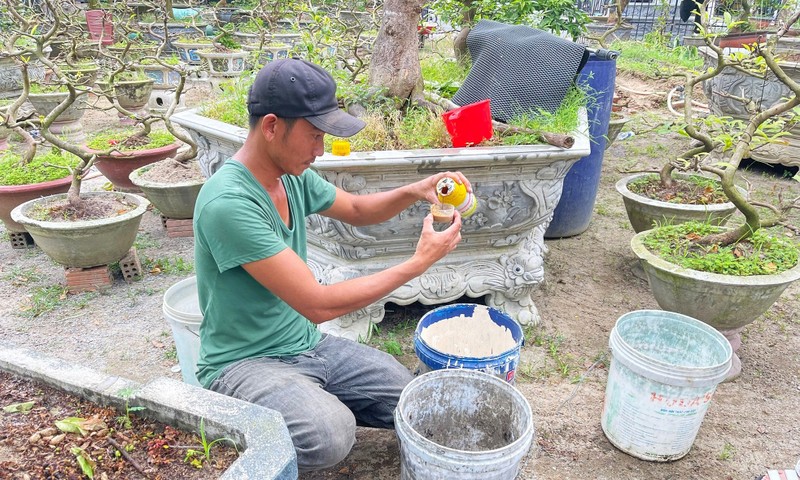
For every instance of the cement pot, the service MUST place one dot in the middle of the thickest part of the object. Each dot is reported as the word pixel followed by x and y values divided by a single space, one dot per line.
pixel 10 77
pixel 68 124
pixel 644 213
pixel 501 258
pixel 726 302
pixel 615 126
pixel 84 243
pixel 173 200
pixel 723 90
pixel 132 95
pixel 224 64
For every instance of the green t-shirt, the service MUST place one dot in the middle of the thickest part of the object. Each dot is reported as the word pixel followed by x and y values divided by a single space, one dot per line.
pixel 235 222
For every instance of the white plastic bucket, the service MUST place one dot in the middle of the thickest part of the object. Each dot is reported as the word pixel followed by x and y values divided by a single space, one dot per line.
pixel 463 424
pixel 665 367
pixel 182 311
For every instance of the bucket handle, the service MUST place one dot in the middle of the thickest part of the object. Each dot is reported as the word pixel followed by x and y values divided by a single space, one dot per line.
pixel 190 331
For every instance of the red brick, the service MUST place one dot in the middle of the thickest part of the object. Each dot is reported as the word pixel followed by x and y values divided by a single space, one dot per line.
pixel 88 279
pixel 178 227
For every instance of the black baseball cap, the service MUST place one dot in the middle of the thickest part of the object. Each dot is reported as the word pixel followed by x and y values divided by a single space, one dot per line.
pixel 295 88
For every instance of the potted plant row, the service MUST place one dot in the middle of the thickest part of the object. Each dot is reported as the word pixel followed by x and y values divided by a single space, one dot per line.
pixel 724 276
pixel 77 228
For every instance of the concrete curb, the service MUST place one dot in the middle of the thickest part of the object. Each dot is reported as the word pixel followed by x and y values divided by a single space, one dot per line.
pixel 266 450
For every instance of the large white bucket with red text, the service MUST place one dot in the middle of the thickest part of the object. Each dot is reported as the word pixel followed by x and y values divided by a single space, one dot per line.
pixel 665 367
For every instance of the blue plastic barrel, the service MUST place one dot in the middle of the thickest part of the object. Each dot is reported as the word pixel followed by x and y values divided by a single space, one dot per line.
pixel 574 211
pixel 503 365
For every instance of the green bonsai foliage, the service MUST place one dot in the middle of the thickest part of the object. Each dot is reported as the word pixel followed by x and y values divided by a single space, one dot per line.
pixel 128 139
pixel 51 165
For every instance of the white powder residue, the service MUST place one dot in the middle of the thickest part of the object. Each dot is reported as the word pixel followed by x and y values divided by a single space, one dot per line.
pixel 475 336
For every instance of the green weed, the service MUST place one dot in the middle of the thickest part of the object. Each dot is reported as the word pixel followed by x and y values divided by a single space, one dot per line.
pixel 761 254
pixel 196 457
pixel 171 353
pixel 727 453
pixel 124 420
pixel 563 120
pixel 392 346
pixel 23 276
pixel 145 240
pixel 556 362
pixel 170 266
pixel 44 299
pixel 652 60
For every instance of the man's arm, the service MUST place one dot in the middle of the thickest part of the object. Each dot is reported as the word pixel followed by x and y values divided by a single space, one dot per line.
pixel 359 210
pixel 288 277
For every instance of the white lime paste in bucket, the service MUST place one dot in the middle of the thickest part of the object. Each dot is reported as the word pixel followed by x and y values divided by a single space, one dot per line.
pixel 475 336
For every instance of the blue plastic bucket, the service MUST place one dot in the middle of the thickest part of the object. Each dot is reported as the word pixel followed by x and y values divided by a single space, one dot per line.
pixel 503 365
pixel 574 210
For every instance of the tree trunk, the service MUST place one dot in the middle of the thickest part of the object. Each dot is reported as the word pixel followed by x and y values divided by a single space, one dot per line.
pixel 394 68
pixel 615 13
pixel 460 45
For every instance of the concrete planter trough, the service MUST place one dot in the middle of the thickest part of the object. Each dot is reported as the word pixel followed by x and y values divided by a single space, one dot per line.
pixel 501 254
pixel 261 436
pixel 724 89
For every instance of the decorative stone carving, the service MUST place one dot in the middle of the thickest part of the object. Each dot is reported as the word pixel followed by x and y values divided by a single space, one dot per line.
pixel 762 93
pixel 10 78
pixel 502 248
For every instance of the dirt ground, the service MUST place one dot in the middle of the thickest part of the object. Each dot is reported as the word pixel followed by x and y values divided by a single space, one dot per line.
pixel 753 423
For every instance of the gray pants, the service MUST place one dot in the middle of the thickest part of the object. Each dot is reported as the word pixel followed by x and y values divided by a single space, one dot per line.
pixel 322 394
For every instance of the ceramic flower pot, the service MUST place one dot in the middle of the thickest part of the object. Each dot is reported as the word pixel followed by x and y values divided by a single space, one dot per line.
pixel 67 124
pixel 224 64
pixel 13 195
pixel 118 166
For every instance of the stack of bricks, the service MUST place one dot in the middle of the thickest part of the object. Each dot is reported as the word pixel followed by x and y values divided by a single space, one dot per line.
pixel 99 278
pixel 21 240
pixel 177 227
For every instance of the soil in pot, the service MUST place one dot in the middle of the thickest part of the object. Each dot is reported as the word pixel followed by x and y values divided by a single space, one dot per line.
pixel 117 444
pixel 93 208
pixel 170 171
pixel 693 191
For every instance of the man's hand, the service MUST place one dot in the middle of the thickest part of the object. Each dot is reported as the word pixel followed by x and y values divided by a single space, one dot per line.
pixel 433 245
pixel 426 189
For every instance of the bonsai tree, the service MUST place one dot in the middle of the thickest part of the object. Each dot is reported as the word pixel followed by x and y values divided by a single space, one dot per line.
pixel 722 142
pixel 59 26
pixel 332 39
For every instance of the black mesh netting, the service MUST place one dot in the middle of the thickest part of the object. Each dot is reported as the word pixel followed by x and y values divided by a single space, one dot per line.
pixel 519 69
